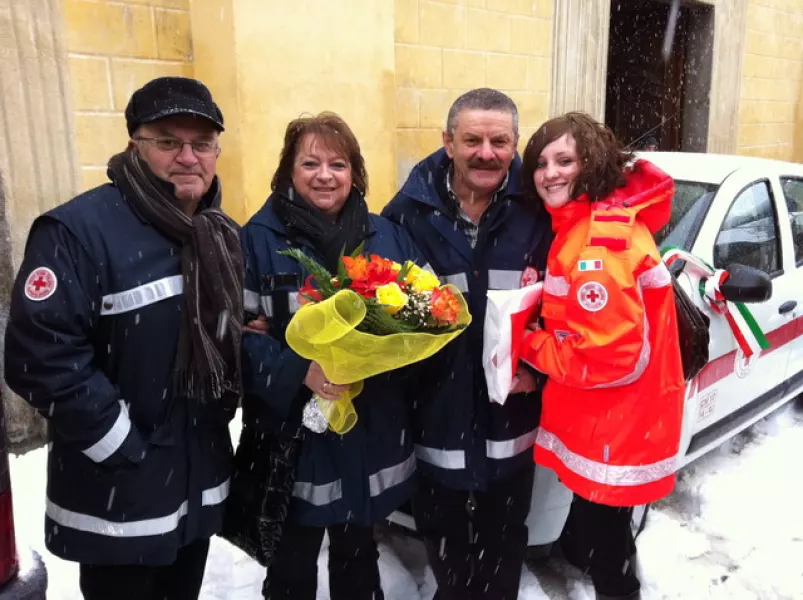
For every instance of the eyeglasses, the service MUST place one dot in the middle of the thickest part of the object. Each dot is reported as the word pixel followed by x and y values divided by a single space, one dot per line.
pixel 174 145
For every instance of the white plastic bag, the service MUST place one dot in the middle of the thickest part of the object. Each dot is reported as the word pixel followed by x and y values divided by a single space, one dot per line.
pixel 506 317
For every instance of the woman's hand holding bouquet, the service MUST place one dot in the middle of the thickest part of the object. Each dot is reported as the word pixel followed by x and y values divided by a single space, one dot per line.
pixel 373 316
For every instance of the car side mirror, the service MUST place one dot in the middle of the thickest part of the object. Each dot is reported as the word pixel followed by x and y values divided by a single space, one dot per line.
pixel 746 284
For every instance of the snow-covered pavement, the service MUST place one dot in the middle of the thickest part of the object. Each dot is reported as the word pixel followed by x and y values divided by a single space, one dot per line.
pixel 733 529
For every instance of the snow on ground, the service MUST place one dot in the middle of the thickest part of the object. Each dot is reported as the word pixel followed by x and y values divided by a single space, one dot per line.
pixel 733 529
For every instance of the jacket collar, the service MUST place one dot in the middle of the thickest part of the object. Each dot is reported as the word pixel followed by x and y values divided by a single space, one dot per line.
pixel 569 214
pixel 427 181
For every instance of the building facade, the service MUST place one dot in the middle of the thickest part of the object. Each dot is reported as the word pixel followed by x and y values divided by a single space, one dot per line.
pixel 731 83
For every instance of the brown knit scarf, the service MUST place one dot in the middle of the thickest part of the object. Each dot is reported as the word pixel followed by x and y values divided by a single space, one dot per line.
pixel 208 360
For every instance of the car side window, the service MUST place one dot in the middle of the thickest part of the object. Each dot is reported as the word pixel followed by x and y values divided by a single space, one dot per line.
pixel 749 234
pixel 793 193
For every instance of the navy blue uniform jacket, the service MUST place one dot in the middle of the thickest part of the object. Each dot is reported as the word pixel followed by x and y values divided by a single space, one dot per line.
pixel 134 471
pixel 367 473
pixel 462 439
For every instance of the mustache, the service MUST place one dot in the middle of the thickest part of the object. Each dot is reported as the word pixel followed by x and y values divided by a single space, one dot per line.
pixel 477 163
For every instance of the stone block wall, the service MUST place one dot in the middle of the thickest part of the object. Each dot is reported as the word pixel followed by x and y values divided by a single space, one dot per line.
pixel 112 49
pixel 36 155
pixel 771 101
pixel 446 47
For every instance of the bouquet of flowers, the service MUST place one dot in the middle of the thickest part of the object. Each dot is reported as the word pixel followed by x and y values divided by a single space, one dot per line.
pixel 374 315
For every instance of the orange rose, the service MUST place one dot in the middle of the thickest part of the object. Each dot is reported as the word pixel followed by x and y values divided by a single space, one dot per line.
pixel 368 274
pixel 444 306
pixel 356 268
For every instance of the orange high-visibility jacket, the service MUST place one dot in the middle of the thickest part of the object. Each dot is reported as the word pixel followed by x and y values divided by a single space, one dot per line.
pixel 612 407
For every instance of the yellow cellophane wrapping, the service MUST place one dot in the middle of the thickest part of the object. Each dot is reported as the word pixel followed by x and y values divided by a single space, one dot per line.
pixel 325 332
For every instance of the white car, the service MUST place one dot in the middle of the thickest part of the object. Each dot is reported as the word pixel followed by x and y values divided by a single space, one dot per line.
pixel 726 210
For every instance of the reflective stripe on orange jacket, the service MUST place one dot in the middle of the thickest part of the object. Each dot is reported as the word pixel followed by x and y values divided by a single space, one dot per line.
pixel 612 407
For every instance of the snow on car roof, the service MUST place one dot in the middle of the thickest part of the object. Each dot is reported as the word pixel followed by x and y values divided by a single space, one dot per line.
pixel 714 168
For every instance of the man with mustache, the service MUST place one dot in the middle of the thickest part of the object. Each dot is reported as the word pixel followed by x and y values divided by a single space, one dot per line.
pixel 124 334
pixel 463 208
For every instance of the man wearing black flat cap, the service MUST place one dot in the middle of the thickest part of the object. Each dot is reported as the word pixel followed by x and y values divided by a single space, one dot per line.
pixel 124 333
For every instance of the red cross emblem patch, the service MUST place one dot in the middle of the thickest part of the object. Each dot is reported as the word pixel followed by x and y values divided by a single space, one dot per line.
pixel 592 296
pixel 529 276
pixel 41 284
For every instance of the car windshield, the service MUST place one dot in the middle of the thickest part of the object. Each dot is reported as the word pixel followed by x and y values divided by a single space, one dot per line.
pixel 689 207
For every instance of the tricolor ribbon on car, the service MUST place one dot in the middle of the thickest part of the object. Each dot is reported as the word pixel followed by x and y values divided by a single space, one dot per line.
pixel 743 325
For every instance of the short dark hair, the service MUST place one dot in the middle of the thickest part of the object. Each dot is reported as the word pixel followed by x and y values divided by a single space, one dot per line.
pixel 602 157
pixel 483 99
pixel 334 133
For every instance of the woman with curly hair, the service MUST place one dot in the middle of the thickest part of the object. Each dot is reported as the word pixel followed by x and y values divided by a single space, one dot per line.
pixel 612 406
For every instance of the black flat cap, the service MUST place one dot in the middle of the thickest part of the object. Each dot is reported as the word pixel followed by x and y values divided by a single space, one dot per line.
pixel 167 96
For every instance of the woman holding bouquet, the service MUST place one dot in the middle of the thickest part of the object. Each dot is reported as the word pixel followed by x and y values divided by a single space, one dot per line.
pixel 612 406
pixel 343 483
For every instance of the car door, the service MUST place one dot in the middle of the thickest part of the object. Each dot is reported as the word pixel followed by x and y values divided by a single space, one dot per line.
pixel 791 193
pixel 743 226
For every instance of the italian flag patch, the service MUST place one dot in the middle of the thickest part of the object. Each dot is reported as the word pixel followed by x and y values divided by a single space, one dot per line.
pixel 589 265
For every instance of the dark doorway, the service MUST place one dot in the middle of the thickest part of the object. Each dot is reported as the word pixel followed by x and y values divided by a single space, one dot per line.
pixel 646 95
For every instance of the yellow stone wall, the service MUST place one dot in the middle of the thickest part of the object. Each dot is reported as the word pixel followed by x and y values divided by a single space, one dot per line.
pixel 446 47
pixel 771 104
pixel 112 49
pixel 266 61
pixel 391 68
pixel 278 60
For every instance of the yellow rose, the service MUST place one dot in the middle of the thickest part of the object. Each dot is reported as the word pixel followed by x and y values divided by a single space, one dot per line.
pixel 421 280
pixel 392 297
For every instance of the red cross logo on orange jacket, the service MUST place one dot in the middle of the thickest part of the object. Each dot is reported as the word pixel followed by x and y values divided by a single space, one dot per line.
pixel 592 296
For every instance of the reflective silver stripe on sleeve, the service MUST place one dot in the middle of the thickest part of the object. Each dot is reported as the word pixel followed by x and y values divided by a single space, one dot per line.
pixel 605 473
pixel 216 495
pixel 500 449
pixel 319 495
pixel 267 305
pixel 391 476
pixel 115 436
pixel 500 279
pixel 445 459
pixel 459 280
pixel 428 267
pixel 253 302
pixel 292 302
pixel 143 295
pixel 656 277
pixel 129 529
pixel 250 301
pixel 557 286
